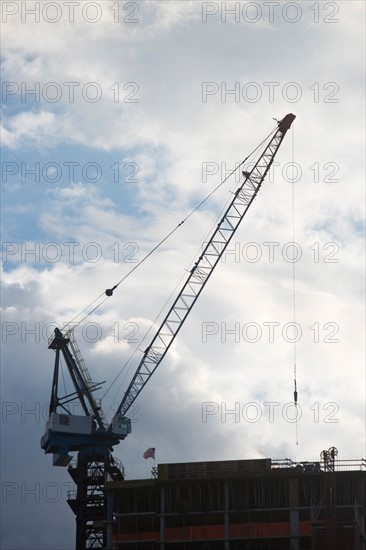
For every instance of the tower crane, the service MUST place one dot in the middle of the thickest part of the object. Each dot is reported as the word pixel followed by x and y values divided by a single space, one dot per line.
pixel 90 434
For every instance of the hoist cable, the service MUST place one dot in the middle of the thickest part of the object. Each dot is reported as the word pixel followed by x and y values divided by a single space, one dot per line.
pixel 294 285
pixel 140 344
pixel 186 218
pixel 179 282
pixel 109 292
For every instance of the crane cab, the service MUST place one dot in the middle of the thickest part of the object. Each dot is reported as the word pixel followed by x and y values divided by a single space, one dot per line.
pixel 121 426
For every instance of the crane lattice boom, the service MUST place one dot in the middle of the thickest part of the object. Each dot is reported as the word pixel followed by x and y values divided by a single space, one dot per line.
pixel 204 267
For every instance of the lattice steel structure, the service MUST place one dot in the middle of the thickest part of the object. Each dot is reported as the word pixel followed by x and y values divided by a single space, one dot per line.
pixel 203 268
pixel 89 434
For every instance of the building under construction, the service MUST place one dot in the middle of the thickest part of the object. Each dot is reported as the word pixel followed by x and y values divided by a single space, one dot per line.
pixel 244 504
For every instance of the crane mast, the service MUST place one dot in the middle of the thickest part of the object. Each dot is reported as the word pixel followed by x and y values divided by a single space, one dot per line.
pixel 89 434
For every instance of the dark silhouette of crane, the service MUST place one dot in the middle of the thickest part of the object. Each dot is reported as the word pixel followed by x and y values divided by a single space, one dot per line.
pixel 89 434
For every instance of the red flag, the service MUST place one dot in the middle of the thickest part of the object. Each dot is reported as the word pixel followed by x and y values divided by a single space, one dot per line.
pixel 150 453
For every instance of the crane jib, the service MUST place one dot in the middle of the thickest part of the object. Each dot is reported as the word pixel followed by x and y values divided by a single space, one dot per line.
pixel 204 266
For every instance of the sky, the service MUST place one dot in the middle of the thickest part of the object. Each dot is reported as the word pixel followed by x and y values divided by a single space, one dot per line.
pixel 118 118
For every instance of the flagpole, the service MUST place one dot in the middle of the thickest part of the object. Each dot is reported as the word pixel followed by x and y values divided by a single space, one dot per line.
pixel 150 453
pixel 154 472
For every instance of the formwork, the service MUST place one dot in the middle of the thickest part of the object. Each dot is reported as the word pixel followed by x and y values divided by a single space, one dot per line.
pixel 244 504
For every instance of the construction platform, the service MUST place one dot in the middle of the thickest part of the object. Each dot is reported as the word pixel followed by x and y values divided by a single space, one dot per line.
pixel 260 504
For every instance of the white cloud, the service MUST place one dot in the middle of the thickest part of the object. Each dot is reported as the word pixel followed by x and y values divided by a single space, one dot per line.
pixel 29 129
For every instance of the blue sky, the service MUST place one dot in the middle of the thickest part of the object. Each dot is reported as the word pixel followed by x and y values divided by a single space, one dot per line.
pixel 197 89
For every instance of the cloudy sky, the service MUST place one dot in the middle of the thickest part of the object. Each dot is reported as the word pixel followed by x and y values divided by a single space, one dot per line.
pixel 118 118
